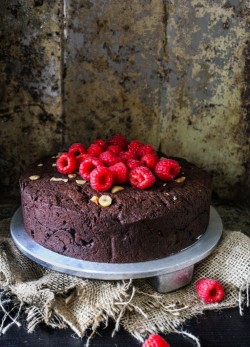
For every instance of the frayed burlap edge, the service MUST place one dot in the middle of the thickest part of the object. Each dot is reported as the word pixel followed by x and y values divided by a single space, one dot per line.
pixel 61 301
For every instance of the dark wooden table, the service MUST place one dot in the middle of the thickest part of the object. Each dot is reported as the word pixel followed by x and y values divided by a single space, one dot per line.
pixel 215 329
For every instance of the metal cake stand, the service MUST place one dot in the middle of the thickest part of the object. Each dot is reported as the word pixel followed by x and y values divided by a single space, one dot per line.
pixel 166 274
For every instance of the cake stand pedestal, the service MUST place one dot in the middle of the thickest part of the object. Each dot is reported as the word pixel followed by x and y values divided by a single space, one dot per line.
pixel 166 274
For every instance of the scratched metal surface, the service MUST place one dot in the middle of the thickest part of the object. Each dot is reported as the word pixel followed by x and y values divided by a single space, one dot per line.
pixel 173 73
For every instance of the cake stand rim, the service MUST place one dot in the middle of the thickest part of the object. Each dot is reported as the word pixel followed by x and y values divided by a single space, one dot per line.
pixel 191 255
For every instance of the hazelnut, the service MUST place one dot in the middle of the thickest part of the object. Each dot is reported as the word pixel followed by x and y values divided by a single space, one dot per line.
pixel 180 179
pixel 105 200
pixel 40 164
pixel 54 164
pixel 116 189
pixel 34 177
pixel 95 199
pixel 80 181
pixel 56 179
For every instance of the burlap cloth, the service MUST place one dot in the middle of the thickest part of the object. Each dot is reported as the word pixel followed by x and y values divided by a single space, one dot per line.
pixel 61 301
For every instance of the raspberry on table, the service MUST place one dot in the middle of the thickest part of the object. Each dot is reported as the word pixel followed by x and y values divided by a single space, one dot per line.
pixel 210 290
pixel 150 160
pixel 155 340
pixel 109 158
pixel 118 140
pixel 120 173
pixel 66 163
pixel 77 149
pixel 101 179
pixel 88 165
pixel 141 177
pixel 167 169
pixel 95 150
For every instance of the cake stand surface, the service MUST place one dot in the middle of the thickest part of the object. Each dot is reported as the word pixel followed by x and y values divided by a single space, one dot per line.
pixel 166 274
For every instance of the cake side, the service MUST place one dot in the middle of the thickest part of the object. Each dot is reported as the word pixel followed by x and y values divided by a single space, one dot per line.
pixel 139 225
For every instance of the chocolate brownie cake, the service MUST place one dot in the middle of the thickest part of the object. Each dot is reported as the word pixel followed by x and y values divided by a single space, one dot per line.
pixel 63 213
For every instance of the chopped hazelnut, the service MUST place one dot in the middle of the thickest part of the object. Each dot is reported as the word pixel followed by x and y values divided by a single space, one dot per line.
pixel 105 200
pixel 34 177
pixel 180 179
pixel 95 199
pixel 80 181
pixel 71 175
pixel 56 179
pixel 116 189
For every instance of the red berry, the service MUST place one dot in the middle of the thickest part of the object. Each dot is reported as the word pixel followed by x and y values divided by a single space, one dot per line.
pixel 146 149
pixel 127 155
pixel 209 290
pixel 167 169
pixel 88 165
pixel 101 179
pixel 66 163
pixel 109 158
pixel 132 163
pixel 95 150
pixel 150 160
pixel 76 149
pixel 141 177
pixel 80 158
pixel 118 140
pixel 134 146
pixel 101 143
pixel 120 173
pixel 155 340
pixel 114 149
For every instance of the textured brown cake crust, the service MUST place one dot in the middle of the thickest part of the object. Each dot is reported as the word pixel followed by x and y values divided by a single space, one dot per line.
pixel 138 226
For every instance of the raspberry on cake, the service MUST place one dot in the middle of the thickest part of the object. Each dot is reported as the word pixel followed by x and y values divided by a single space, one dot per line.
pixel 148 211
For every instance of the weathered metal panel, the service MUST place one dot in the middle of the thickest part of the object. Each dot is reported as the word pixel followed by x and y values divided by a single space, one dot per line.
pixel 206 102
pixel 113 53
pixel 30 84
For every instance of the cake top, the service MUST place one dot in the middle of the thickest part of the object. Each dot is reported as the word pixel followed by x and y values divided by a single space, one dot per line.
pixel 134 193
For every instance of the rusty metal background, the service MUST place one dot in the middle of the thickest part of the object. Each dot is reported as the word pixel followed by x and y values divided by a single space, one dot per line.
pixel 172 73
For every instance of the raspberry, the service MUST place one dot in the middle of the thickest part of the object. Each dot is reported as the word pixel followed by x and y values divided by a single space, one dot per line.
pixel 101 179
pixel 109 158
pixel 167 169
pixel 127 155
pixel 95 150
pixel 146 149
pixel 141 177
pixel 80 158
pixel 76 149
pixel 209 290
pixel 134 146
pixel 88 165
pixel 132 163
pixel 120 173
pixel 101 143
pixel 114 149
pixel 150 160
pixel 66 163
pixel 155 340
pixel 118 140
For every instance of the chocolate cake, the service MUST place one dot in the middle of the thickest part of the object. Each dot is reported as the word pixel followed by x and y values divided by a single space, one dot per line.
pixel 60 213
